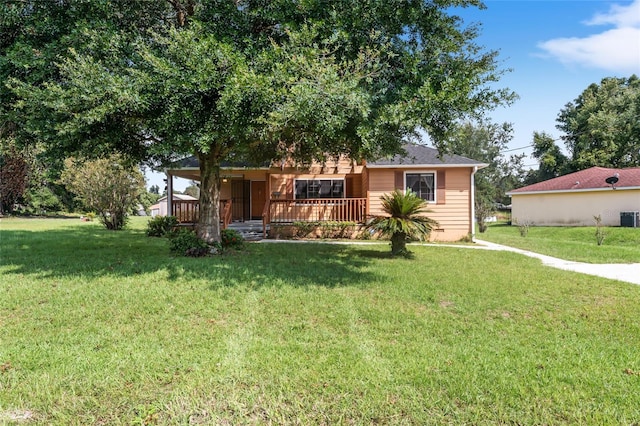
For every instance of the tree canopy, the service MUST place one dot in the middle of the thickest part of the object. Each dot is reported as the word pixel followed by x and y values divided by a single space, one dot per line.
pixel 601 125
pixel 224 80
pixel 552 162
pixel 601 128
pixel 486 142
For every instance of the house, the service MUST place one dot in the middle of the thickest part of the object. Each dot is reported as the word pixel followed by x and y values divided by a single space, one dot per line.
pixel 574 199
pixel 161 208
pixel 346 191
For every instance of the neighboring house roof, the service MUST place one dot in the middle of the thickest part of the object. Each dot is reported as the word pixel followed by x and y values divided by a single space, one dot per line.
pixel 421 155
pixel 179 197
pixel 592 179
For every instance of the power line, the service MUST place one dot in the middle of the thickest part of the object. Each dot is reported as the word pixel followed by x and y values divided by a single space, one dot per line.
pixel 516 149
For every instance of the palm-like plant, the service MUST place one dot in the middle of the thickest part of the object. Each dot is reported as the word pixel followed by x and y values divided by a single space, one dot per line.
pixel 405 220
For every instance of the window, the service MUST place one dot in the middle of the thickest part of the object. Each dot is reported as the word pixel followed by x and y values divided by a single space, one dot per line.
pixel 423 184
pixel 319 188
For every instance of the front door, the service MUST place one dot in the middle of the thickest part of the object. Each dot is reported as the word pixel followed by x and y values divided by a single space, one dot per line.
pixel 240 200
pixel 258 198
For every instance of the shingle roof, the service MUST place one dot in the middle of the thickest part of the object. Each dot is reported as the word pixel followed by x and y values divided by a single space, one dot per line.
pixel 420 155
pixel 593 178
pixel 416 155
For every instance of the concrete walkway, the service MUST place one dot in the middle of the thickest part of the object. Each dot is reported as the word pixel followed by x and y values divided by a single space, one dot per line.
pixel 628 272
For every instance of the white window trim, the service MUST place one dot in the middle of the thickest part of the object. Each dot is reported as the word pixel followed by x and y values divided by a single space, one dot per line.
pixel 419 172
pixel 344 188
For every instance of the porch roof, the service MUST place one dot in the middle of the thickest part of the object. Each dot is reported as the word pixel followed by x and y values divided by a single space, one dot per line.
pixel 189 168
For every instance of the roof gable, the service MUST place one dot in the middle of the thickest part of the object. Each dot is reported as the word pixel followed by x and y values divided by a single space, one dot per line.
pixel 589 179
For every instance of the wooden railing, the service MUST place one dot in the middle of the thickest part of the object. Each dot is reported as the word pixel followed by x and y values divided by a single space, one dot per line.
pixel 225 213
pixel 315 210
pixel 265 218
pixel 188 212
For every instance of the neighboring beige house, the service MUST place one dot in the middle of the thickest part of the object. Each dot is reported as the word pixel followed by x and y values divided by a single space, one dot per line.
pixel 344 190
pixel 161 208
pixel 574 199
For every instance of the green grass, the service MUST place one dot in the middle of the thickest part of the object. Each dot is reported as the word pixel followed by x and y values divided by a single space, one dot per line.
pixel 621 245
pixel 100 327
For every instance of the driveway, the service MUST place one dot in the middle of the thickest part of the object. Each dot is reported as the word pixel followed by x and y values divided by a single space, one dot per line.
pixel 627 272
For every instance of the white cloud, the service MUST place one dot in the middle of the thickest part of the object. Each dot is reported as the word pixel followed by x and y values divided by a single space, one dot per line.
pixel 615 50
pixel 620 16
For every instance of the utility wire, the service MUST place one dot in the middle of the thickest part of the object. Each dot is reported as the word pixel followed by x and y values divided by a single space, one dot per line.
pixel 516 149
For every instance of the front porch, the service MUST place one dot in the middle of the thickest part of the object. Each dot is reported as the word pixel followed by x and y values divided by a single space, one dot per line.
pixel 281 211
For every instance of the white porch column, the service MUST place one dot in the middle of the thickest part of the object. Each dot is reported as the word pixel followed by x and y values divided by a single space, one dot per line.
pixel 169 194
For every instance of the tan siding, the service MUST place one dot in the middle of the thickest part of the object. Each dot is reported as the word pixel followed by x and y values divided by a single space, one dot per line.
pixel 356 181
pixel 331 166
pixel 574 209
pixel 365 181
pixel 453 216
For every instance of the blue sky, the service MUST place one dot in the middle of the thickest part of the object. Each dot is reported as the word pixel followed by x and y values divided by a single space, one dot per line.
pixel 556 49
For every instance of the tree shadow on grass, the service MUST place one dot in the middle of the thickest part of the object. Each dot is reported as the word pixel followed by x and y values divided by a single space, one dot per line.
pixel 89 252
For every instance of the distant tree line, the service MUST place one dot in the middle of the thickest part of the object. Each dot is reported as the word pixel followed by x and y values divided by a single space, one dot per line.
pixel 601 127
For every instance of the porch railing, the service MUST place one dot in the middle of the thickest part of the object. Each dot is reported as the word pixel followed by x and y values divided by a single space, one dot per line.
pixel 188 212
pixel 315 210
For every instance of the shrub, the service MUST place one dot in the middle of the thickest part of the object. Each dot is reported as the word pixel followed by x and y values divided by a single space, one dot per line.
pixel 231 239
pixel 303 229
pixel 523 227
pixel 600 232
pixel 483 210
pixel 109 186
pixel 161 226
pixel 186 242
pixel 337 229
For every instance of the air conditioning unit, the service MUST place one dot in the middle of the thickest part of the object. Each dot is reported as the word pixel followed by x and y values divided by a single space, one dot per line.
pixel 630 219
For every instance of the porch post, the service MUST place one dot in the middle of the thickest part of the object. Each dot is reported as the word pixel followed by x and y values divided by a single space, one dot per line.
pixel 169 194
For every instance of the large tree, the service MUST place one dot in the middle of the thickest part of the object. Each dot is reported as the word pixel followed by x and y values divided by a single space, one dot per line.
pixel 601 126
pixel 485 141
pixel 224 80
pixel 552 162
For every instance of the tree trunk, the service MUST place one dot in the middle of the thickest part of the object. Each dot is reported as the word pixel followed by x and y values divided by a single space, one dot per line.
pixel 209 221
pixel 398 243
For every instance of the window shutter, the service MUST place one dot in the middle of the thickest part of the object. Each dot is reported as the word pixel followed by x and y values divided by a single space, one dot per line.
pixel 440 187
pixel 399 180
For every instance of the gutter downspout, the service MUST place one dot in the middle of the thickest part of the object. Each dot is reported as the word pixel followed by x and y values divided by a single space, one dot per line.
pixel 472 219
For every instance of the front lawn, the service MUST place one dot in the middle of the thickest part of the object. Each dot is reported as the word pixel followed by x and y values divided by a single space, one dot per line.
pixel 621 245
pixel 100 327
